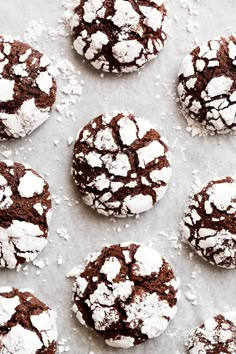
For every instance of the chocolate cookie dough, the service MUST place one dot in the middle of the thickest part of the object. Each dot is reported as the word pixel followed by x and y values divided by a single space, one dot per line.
pixel 27 88
pixel 216 336
pixel 25 209
pixel 27 326
pixel 121 164
pixel 119 35
pixel 207 85
pixel 210 223
pixel 127 292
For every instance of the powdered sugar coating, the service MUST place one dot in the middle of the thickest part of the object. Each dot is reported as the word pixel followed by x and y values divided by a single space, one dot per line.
pixel 210 223
pixel 121 164
pixel 126 296
pixel 207 86
pixel 27 326
pixel 27 88
pixel 30 184
pixel 121 342
pixel 120 35
pixel 215 335
pixel 147 261
pixel 25 205
pixel 7 90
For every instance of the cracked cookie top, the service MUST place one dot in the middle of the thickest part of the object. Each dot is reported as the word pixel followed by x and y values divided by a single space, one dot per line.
pixel 119 35
pixel 25 209
pixel 27 88
pixel 126 292
pixel 207 85
pixel 210 223
pixel 27 326
pixel 121 164
pixel 216 335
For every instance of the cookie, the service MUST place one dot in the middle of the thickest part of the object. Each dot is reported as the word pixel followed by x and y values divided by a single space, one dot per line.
pixel 216 335
pixel 210 223
pixel 27 88
pixel 27 326
pixel 207 86
pixel 25 210
pixel 121 164
pixel 119 35
pixel 126 292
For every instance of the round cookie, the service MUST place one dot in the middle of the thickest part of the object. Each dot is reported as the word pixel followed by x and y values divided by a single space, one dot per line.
pixel 27 326
pixel 121 164
pixel 216 335
pixel 210 223
pixel 126 292
pixel 25 209
pixel 27 88
pixel 119 35
pixel 207 86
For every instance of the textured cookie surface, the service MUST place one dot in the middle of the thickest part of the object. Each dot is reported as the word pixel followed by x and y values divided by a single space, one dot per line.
pixel 119 35
pixel 120 164
pixel 210 223
pixel 216 336
pixel 27 88
pixel 27 326
pixel 207 85
pixel 127 292
pixel 25 209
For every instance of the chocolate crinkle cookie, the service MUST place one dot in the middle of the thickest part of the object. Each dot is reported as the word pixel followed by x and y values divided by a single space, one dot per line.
pixel 126 292
pixel 210 223
pixel 121 164
pixel 27 326
pixel 119 35
pixel 25 210
pixel 27 88
pixel 216 336
pixel 207 86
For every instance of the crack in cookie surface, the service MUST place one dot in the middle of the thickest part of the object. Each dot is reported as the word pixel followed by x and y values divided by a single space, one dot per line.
pixel 119 35
pixel 121 164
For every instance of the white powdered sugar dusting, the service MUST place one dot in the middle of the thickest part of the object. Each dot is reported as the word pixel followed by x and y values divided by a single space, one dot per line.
pixel 147 261
pixel 121 342
pixel 223 196
pixel 21 340
pixel 7 308
pixel 151 312
pixel 30 184
pixel 45 323
pixel 6 90
pixel 44 82
pixel 26 237
pixel 111 268
pixel 5 194
pixel 25 120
